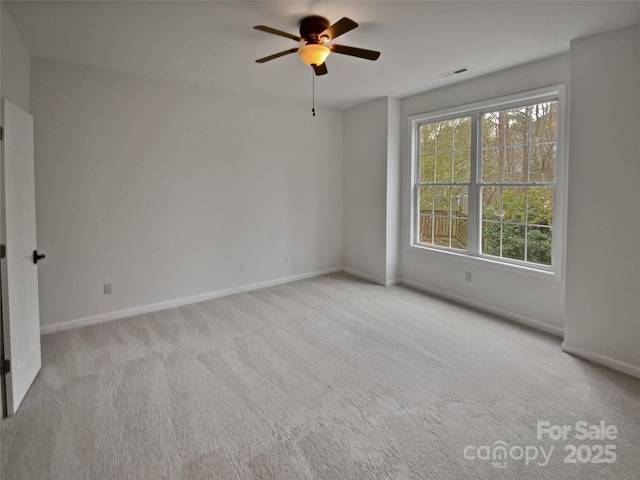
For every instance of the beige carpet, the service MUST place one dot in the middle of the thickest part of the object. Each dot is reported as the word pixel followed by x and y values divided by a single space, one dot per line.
pixel 328 378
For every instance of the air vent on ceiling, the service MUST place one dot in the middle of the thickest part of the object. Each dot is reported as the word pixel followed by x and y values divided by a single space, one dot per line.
pixel 453 72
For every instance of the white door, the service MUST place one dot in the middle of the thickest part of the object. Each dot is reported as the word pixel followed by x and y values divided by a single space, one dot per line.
pixel 21 312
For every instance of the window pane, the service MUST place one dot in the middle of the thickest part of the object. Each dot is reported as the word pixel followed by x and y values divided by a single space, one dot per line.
pixel 516 126
pixel 543 122
pixel 540 206
pixel 491 130
pixel 491 203
pixel 445 151
pixel 492 164
pixel 441 200
pixel 450 231
pixel 513 241
pixel 445 158
pixel 428 138
pixel 542 163
pixel 442 219
pixel 441 229
pixel 504 210
pixel 443 167
pixel 539 245
pixel 460 201
pixel 462 134
pixel 459 214
pixel 444 136
pixel 459 233
pixel 514 200
pixel 426 199
pixel 425 229
pixel 515 163
pixel 527 135
pixel 427 167
pixel 491 235
pixel 425 216
pixel 462 166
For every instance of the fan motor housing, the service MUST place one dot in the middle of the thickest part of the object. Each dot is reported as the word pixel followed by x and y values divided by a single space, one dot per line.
pixel 312 26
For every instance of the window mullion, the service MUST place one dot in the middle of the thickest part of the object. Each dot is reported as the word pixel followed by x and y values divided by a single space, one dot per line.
pixel 473 225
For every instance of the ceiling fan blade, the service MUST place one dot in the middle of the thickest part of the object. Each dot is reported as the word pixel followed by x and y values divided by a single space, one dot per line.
pixel 264 28
pixel 321 69
pixel 355 52
pixel 276 55
pixel 341 26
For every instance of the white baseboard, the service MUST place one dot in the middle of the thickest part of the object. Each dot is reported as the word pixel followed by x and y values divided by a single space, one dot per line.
pixel 178 302
pixel 370 278
pixel 619 365
pixel 515 317
pixel 364 276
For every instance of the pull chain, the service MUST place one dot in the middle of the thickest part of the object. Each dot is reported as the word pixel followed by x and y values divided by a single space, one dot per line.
pixel 313 92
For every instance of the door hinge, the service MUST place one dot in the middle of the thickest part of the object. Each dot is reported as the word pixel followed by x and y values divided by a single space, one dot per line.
pixel 5 367
pixel 1 133
pixel 3 250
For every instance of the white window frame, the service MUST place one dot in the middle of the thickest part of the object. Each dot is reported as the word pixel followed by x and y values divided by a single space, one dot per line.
pixel 475 110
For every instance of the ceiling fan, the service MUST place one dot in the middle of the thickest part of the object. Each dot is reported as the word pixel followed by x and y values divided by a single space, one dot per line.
pixel 315 31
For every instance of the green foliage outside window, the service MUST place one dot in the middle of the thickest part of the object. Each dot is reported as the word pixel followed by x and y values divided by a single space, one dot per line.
pixel 506 224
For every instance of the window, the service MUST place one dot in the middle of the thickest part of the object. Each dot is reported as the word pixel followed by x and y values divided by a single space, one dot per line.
pixel 485 179
pixel 443 190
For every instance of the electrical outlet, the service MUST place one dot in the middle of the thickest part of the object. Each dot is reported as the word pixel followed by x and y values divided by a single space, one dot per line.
pixel 106 288
pixel 243 266
pixel 467 276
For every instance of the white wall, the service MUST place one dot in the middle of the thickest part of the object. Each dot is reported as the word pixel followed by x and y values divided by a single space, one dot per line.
pixel 372 190
pixel 603 263
pixel 394 193
pixel 163 190
pixel 513 293
pixel 16 65
pixel 365 189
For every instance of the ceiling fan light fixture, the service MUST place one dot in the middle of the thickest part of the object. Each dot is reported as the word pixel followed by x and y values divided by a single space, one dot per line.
pixel 314 53
pixel 315 31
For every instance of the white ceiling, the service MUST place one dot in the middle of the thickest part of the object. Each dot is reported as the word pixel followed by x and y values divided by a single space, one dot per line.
pixel 213 44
